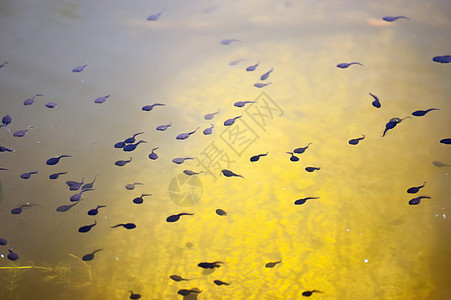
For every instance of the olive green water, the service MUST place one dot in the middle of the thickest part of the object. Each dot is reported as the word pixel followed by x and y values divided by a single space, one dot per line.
pixel 359 240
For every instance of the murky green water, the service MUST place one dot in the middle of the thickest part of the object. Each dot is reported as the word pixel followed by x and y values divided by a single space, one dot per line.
pixel 359 240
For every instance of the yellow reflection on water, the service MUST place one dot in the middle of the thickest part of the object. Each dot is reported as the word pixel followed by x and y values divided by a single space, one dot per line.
pixel 360 240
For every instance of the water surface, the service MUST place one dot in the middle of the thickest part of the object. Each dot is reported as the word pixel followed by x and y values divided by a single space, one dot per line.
pixel 359 240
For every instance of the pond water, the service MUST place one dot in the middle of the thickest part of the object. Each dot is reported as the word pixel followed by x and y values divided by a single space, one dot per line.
pixel 358 238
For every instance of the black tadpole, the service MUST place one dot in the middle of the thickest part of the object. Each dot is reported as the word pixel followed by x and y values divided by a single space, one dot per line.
pixel 90 256
pixel 126 225
pixel 134 296
pixel 309 293
pixel 293 157
pixel 257 157
pixel 301 150
pixel 356 141
pixel 272 264
pixel 392 124
pixel 175 218
pixel 416 189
